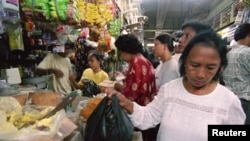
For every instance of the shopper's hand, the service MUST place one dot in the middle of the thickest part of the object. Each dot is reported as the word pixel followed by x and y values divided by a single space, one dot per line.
pixel 72 77
pixel 119 76
pixel 124 102
pixel 85 80
pixel 118 86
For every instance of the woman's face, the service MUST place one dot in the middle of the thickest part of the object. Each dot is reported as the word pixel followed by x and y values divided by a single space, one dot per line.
pixel 159 48
pixel 93 62
pixel 201 65
pixel 125 56
pixel 187 34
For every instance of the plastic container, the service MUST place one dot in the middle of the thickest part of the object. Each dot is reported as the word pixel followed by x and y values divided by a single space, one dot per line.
pixel 40 82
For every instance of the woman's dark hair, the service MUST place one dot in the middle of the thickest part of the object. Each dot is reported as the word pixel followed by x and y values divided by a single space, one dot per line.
pixel 98 55
pixel 242 31
pixel 129 43
pixel 149 54
pixel 197 26
pixel 177 34
pixel 167 40
pixel 207 38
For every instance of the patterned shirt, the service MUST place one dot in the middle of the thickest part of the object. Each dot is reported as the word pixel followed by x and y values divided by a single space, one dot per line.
pixel 140 85
pixel 237 74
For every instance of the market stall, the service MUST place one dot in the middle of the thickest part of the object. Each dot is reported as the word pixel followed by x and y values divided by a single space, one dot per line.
pixel 31 29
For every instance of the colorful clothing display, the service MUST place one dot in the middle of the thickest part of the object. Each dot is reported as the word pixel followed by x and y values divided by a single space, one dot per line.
pixel 82 52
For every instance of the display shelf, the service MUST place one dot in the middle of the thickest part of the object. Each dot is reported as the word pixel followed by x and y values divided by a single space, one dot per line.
pixel 42 47
pixel 21 62
pixel 225 18
pixel 227 32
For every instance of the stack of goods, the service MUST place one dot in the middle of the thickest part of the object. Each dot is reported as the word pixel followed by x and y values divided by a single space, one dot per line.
pixel 45 98
pixel 14 116
pixel 91 105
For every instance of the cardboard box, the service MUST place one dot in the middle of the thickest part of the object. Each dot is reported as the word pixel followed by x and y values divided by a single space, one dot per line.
pixel 11 75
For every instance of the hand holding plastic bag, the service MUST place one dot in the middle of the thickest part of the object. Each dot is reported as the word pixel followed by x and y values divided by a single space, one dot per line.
pixel 109 122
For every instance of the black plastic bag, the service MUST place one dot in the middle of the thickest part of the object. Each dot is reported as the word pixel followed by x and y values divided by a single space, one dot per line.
pixel 109 122
pixel 90 89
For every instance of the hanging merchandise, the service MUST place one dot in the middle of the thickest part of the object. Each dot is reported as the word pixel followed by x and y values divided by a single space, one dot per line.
pixel 62 33
pixel 104 41
pixel 10 5
pixel 61 11
pixel 94 14
pixel 9 10
pixel 114 63
pixel 37 9
pixel 243 14
pixel 14 29
pixel 82 50
pixel 64 10
pixel 114 27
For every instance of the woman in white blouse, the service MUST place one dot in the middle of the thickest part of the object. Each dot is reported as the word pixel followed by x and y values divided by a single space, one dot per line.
pixel 185 107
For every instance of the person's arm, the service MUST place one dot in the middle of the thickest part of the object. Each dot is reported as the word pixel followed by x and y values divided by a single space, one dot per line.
pixel 40 71
pixel 58 73
pixel 75 84
pixel 125 103
pixel 80 84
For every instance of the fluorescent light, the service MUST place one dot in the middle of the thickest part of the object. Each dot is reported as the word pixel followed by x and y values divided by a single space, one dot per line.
pixel 150 45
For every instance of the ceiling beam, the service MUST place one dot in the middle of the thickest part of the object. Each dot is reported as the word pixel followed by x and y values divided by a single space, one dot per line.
pixel 161 13
pixel 160 30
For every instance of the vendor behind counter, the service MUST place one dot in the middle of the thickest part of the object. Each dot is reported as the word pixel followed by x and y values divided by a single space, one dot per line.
pixel 60 66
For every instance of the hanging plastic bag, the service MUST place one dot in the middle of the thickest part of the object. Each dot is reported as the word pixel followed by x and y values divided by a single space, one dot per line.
pixel 109 122
pixel 14 30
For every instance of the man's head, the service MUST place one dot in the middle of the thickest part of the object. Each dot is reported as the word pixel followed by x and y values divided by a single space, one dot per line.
pixel 241 33
pixel 190 29
pixel 177 48
pixel 68 47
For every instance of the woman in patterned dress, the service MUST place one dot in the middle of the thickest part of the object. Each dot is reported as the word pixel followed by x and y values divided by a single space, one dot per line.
pixel 139 85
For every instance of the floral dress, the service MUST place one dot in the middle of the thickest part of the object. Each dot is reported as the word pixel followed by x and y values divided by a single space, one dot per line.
pixel 140 85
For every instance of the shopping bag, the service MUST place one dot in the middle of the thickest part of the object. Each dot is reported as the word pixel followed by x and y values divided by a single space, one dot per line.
pixel 90 89
pixel 109 122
